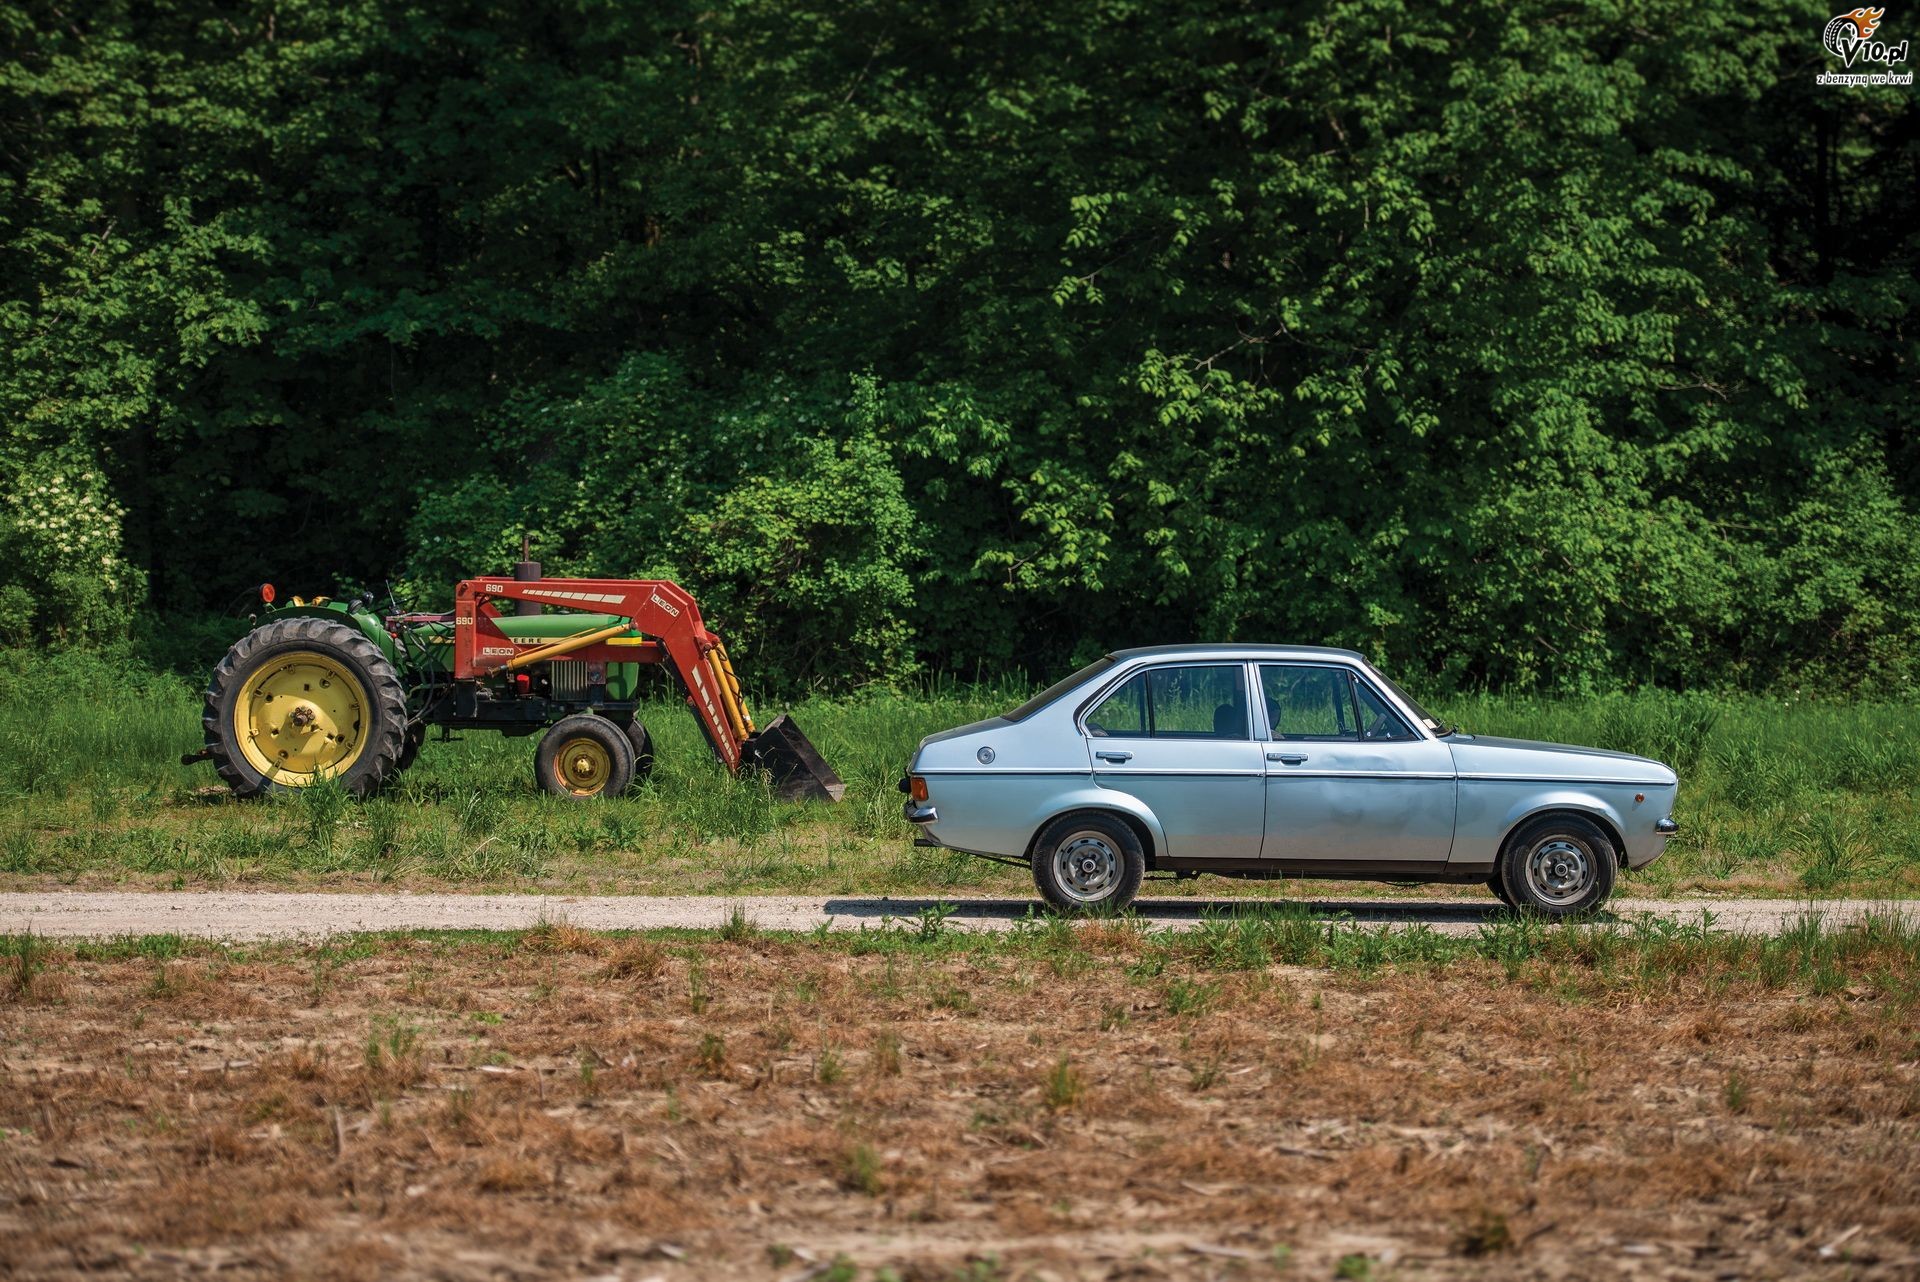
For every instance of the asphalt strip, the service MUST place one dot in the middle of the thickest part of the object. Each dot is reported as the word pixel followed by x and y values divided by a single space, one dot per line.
pixel 255 915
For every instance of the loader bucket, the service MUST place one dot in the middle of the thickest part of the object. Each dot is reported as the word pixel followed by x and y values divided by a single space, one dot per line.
pixel 799 774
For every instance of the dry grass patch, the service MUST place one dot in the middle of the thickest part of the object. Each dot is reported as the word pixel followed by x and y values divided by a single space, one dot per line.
pixel 1098 1102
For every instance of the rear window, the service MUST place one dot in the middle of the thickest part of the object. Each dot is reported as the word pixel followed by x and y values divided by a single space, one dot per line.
pixel 1059 688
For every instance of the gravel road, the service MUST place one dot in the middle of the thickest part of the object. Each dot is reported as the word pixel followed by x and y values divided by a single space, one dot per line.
pixel 269 915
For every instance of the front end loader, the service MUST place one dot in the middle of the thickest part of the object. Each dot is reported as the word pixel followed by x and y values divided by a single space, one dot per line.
pixel 325 690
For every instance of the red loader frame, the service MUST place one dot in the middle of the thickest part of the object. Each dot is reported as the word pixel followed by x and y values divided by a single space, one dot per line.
pixel 673 634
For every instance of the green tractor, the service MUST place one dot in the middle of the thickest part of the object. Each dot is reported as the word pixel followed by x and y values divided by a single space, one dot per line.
pixel 322 689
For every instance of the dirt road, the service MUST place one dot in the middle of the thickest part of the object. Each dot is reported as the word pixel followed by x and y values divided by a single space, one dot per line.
pixel 268 915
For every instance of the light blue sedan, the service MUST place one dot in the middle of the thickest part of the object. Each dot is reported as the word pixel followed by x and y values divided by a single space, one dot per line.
pixel 1278 761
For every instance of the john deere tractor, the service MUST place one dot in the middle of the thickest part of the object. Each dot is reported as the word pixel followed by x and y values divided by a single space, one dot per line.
pixel 322 689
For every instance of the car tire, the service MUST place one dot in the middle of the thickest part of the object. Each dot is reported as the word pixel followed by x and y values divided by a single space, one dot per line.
pixel 1499 887
pixel 1558 866
pixel 1088 863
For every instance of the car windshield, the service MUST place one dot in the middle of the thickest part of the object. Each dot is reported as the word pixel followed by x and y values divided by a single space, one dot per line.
pixel 1427 719
pixel 1059 688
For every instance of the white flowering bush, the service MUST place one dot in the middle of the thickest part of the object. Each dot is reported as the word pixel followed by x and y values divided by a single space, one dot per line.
pixel 63 562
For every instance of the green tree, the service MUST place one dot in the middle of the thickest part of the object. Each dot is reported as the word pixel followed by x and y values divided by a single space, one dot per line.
pixel 1517 344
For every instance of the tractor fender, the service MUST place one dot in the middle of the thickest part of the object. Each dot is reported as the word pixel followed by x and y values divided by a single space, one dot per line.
pixel 370 624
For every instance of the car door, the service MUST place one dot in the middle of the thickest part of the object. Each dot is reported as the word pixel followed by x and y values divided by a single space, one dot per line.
pixel 1348 780
pixel 1179 737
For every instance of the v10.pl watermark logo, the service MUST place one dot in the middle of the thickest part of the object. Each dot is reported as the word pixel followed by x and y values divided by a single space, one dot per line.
pixel 1850 38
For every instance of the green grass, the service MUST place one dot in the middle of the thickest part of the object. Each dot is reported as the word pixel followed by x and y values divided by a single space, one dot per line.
pixel 1776 795
pixel 1814 797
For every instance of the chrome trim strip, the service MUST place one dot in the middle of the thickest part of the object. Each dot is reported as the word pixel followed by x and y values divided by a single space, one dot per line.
pixel 1036 770
pixel 1126 772
pixel 1665 828
pixel 1358 774
pixel 1586 779
pixel 1355 672
pixel 1114 678
pixel 1124 674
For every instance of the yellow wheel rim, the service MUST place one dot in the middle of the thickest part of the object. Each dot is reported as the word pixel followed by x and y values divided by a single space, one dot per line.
pixel 584 765
pixel 301 719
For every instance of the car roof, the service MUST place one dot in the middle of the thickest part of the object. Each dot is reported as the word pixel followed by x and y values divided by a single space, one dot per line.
pixel 1220 651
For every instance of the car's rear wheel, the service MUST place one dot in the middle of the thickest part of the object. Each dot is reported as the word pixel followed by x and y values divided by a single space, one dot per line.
pixel 1558 866
pixel 1088 863
pixel 1498 886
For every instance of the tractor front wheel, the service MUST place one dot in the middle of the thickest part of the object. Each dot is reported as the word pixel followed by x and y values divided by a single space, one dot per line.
pixel 584 756
pixel 297 701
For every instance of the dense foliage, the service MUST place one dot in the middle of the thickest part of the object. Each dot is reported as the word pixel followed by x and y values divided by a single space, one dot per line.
pixel 1518 344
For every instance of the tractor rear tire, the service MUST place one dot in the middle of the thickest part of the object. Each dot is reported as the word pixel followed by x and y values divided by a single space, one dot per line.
pixel 642 747
pixel 584 756
pixel 344 718
pixel 410 748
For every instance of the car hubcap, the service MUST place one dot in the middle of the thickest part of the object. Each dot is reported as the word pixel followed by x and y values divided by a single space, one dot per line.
pixel 1559 871
pixel 1087 867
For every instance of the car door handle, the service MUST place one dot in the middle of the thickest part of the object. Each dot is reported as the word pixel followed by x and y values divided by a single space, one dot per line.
pixel 1291 758
pixel 1114 756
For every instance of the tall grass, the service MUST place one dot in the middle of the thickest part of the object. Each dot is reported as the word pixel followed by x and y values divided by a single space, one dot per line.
pixel 72 722
pixel 1809 797
pixel 1819 797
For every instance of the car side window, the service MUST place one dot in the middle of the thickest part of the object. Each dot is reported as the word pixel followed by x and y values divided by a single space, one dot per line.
pixel 1200 702
pixel 1204 702
pixel 1379 723
pixel 1305 701
pixel 1122 713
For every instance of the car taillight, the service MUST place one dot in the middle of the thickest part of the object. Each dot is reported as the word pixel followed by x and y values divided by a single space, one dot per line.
pixel 917 788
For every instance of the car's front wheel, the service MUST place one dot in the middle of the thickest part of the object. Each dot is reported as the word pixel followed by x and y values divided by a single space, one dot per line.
pixel 1558 866
pixel 1088 863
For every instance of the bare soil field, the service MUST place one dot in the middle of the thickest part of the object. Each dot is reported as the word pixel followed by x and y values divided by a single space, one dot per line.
pixel 1097 1103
